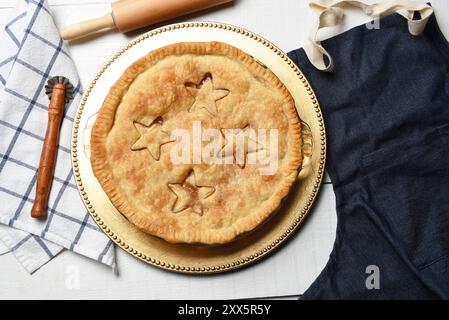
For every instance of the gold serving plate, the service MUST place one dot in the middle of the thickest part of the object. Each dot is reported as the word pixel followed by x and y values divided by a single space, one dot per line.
pixel 202 259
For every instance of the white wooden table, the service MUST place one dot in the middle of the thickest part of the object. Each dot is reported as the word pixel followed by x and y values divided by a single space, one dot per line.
pixel 285 274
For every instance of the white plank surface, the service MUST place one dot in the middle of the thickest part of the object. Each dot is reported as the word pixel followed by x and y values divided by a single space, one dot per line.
pixel 288 272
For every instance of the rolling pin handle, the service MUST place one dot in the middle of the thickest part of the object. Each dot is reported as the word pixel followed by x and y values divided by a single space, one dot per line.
pixel 85 28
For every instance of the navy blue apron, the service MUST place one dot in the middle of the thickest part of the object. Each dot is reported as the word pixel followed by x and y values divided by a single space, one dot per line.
pixel 386 111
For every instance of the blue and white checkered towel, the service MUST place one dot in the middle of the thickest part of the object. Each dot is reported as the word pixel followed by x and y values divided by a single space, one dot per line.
pixel 31 53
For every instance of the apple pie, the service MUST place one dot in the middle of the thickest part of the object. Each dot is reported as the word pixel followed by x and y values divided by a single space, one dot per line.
pixel 197 143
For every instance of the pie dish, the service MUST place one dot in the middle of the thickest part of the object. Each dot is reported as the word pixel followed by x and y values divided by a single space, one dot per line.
pixel 180 88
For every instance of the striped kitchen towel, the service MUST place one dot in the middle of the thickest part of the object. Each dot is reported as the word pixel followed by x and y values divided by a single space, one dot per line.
pixel 31 53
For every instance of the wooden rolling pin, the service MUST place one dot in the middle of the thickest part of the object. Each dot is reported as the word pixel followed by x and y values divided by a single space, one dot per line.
pixel 130 15
pixel 60 91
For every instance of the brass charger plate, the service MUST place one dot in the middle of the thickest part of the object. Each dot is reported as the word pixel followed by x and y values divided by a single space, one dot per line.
pixel 188 258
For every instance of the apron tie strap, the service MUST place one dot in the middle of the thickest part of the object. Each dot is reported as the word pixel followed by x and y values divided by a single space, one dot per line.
pixel 331 13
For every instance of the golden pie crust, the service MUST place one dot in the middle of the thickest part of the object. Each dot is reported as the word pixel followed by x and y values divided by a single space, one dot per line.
pixel 208 83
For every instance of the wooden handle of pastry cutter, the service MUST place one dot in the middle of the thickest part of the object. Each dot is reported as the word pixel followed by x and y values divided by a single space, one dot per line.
pixel 49 152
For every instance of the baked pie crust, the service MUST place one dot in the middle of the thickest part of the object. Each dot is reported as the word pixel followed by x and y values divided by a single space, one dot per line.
pixel 176 87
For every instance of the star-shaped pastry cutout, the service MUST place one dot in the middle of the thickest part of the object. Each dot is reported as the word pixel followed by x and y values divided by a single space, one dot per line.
pixel 206 95
pixel 190 195
pixel 152 138
pixel 244 142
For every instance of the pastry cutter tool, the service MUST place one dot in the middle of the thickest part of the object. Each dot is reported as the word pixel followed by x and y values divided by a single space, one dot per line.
pixel 60 92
